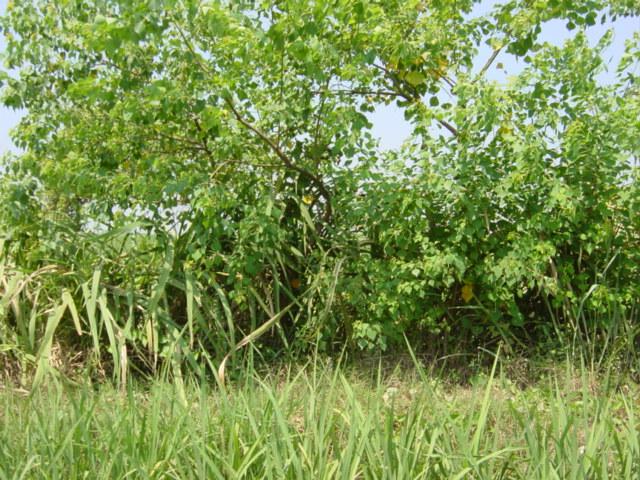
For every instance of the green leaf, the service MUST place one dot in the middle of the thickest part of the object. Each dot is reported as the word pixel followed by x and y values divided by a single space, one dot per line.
pixel 415 78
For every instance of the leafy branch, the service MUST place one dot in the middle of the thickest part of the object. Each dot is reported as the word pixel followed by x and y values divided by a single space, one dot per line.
pixel 408 92
pixel 324 191
pixel 288 162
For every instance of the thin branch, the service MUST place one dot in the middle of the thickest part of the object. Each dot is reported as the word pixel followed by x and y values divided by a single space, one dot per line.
pixel 281 92
pixel 414 96
pixel 383 68
pixel 284 157
pixel 486 66
pixel 278 151
pixel 194 145
pixel 204 142
pixel 448 126
pixel 378 93
pixel 204 67
pixel 317 128
pixel 448 81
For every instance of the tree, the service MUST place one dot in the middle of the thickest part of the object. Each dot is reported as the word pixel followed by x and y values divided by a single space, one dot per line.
pixel 225 146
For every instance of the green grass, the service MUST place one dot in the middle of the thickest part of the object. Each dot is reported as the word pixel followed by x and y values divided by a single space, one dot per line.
pixel 322 422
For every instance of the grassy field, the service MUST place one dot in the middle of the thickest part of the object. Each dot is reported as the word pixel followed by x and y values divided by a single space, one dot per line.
pixel 320 421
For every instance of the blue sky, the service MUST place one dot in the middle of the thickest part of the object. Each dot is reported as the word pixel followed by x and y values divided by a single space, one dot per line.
pixel 388 122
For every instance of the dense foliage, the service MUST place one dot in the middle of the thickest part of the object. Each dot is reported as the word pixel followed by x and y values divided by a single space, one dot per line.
pixel 193 169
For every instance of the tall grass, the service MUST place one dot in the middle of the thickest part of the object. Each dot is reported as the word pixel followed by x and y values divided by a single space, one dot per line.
pixel 322 422
pixel 54 314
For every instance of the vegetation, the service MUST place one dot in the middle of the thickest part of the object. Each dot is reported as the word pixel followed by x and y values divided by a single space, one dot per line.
pixel 199 186
pixel 201 168
pixel 325 423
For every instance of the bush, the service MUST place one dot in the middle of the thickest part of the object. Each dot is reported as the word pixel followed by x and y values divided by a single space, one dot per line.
pixel 196 171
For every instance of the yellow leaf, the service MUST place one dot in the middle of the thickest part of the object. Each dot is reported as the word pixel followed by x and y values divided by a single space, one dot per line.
pixel 307 199
pixel 505 130
pixel 467 292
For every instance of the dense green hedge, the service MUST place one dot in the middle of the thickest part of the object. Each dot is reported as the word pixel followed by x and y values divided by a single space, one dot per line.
pixel 190 171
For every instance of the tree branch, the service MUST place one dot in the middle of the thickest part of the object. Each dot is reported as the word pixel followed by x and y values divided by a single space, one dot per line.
pixel 486 66
pixel 285 158
pixel 324 191
pixel 413 96
pixel 448 81
pixel 379 93
pixel 194 145
pixel 205 68
pixel 205 144
pixel 448 126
